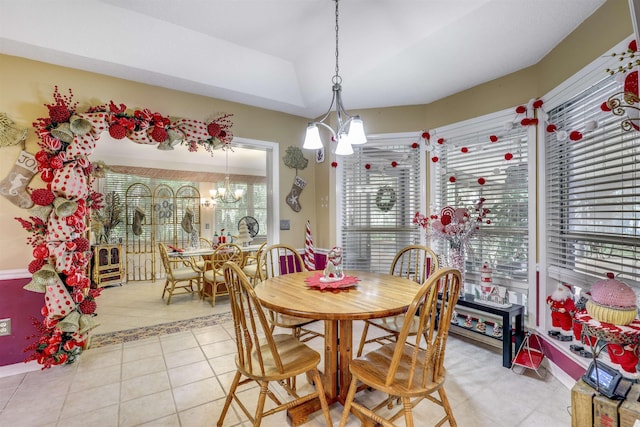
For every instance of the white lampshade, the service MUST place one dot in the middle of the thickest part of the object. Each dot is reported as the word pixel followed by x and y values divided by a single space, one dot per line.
pixel 356 132
pixel 312 138
pixel 238 193
pixel 344 147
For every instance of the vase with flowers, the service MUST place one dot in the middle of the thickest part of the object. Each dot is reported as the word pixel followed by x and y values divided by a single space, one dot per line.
pixel 456 226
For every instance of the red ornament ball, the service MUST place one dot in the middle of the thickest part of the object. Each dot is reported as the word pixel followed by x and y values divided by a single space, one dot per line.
pixel 633 46
pixel 525 122
pixel 394 164
pixel 445 219
pixel 533 122
pixel 493 138
pixel 440 141
pixel 159 134
pixel 59 113
pixel 82 244
pixel 88 306
pixel 117 131
pixel 521 109
pixel 334 164
pixel 414 145
pixel 605 107
pixel 488 221
pixel 481 181
pixel 452 179
pixel 42 197
pixel 508 156
pixel 537 103
pixel 435 159
pixel 367 166
pixel 36 265
pixel 464 150
pixel 214 129
pixel 551 128
pixel 426 135
pixel 575 136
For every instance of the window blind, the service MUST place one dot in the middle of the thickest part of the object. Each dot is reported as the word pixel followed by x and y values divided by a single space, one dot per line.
pixel 461 178
pixel 121 182
pixel 592 192
pixel 253 203
pixel 379 202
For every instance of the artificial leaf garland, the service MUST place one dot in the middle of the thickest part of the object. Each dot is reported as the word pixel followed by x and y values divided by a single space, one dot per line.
pixel 58 224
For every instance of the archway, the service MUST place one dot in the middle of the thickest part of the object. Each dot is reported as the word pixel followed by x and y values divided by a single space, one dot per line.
pixel 58 225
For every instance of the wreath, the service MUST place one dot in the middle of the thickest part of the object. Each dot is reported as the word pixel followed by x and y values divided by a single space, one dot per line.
pixel 386 198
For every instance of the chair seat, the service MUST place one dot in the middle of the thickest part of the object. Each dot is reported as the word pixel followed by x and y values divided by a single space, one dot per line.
pixel 200 264
pixel 373 367
pixel 209 276
pixel 186 273
pixel 287 321
pixel 296 359
pixel 393 324
pixel 250 269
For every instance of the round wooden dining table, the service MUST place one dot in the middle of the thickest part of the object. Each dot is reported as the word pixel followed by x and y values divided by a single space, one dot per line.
pixel 375 295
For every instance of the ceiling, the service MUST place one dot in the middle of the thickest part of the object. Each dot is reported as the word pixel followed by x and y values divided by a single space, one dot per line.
pixel 280 54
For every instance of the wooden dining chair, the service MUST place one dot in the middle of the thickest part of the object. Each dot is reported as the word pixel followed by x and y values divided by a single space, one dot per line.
pixel 250 267
pixel 411 369
pixel 276 260
pixel 263 357
pixel 179 274
pixel 213 276
pixel 414 262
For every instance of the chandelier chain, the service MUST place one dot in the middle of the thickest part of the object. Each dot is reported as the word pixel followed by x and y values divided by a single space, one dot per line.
pixel 336 78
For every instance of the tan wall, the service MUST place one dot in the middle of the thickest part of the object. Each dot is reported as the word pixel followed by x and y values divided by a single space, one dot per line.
pixel 27 85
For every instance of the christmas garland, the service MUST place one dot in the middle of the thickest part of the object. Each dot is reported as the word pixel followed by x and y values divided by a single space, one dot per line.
pixel 59 222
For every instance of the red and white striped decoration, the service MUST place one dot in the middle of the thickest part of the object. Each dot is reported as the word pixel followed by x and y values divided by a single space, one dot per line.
pixel 309 253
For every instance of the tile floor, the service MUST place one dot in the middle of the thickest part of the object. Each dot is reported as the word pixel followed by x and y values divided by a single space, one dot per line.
pixel 181 379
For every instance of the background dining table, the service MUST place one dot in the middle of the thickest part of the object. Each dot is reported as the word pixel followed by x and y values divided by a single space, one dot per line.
pixel 374 295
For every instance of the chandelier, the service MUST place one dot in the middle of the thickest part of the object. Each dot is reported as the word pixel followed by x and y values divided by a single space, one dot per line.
pixel 345 138
pixel 224 194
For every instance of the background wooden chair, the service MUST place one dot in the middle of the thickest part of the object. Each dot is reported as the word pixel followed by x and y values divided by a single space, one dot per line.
pixel 411 371
pixel 213 276
pixel 179 274
pixel 283 259
pixel 414 262
pixel 263 357
pixel 250 267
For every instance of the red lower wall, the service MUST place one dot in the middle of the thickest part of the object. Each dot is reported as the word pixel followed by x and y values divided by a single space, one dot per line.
pixel 19 306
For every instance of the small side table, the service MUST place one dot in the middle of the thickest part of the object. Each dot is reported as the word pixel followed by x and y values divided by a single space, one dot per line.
pixel 512 325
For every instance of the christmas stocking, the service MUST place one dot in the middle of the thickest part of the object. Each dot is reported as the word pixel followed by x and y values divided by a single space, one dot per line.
pixel 294 194
pixel 14 185
pixel 187 221
pixel 138 220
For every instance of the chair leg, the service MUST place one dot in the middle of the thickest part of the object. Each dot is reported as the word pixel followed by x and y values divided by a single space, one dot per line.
pixel 173 288
pixel 347 403
pixel 323 398
pixel 408 414
pixel 264 387
pixel 214 287
pixel 447 407
pixel 227 402
pixel 363 339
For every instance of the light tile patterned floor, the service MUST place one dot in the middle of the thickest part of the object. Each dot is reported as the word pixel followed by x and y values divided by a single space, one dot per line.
pixel 181 379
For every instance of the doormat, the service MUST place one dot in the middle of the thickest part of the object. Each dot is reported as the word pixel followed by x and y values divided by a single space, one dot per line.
pixel 127 335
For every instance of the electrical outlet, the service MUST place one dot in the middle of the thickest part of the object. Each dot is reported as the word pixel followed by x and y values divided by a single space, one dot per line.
pixel 5 327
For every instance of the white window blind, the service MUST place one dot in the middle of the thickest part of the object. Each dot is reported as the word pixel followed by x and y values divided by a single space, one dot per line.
pixel 504 243
pixel 373 228
pixel 253 204
pixel 592 192
pixel 119 183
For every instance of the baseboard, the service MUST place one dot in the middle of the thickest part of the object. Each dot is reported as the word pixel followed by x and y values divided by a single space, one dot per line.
pixel 19 368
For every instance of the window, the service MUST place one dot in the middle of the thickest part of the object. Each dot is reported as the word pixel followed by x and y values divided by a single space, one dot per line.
pixel 253 204
pixel 592 191
pixel 379 201
pixel 470 166
pixel 119 183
